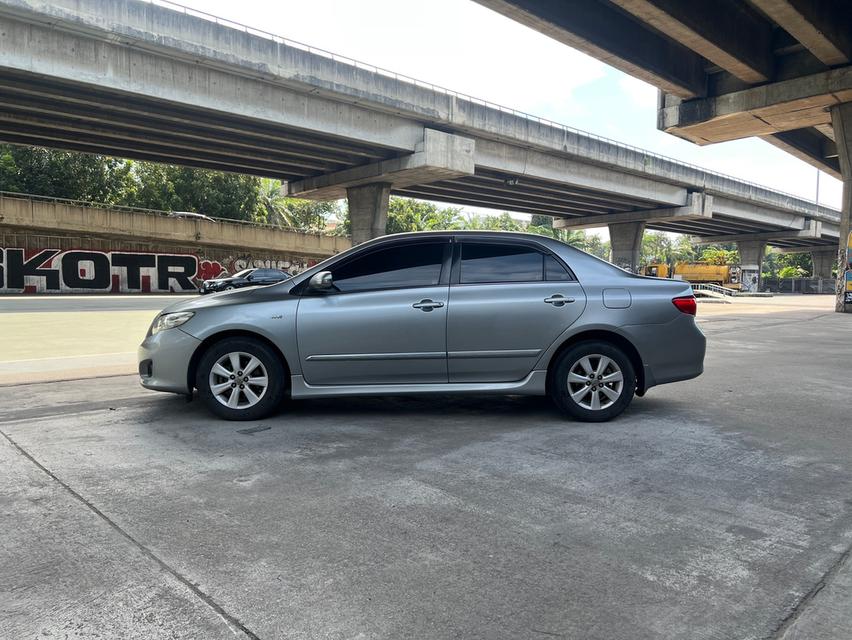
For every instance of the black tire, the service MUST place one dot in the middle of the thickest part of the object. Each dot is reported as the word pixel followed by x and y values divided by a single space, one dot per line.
pixel 276 374
pixel 561 389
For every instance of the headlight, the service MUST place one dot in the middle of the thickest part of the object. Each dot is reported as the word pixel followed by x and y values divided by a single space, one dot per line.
pixel 170 321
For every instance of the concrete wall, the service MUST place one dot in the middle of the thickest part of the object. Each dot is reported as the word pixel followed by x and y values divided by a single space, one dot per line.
pixel 60 247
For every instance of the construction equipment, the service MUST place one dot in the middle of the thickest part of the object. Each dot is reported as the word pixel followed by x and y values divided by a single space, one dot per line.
pixel 698 272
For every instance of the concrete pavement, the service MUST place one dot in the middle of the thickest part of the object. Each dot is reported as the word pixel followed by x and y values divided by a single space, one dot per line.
pixel 714 508
pixel 49 338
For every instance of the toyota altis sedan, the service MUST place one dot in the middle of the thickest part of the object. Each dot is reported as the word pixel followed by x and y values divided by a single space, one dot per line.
pixel 440 312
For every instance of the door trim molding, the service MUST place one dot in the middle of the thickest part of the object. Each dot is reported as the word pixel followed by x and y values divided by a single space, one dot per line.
pixel 495 353
pixel 414 355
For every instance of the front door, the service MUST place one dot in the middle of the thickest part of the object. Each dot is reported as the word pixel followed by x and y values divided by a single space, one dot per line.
pixel 508 303
pixel 384 324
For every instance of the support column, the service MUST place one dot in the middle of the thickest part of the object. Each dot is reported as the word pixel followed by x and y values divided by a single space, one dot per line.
pixel 751 263
pixel 841 121
pixel 625 241
pixel 823 261
pixel 368 211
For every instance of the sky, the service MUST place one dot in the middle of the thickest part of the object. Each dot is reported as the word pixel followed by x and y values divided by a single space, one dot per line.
pixel 461 45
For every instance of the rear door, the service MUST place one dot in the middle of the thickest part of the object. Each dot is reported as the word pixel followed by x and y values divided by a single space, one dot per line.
pixel 386 324
pixel 509 300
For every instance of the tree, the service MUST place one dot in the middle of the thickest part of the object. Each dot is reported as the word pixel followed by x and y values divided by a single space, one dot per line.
pixel 792 265
pixel 64 174
pixel 293 213
pixel 213 193
pixel 720 256
pixel 407 214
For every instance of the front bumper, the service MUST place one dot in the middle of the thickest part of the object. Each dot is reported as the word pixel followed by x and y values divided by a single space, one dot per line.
pixel 164 360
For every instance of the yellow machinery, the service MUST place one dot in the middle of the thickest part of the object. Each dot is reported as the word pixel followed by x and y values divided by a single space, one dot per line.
pixel 698 273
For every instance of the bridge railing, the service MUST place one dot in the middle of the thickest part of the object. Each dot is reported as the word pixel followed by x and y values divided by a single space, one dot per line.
pixel 715 288
pixel 232 24
pixel 152 212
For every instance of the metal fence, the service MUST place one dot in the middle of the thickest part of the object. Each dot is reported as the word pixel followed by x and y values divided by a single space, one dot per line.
pixel 800 285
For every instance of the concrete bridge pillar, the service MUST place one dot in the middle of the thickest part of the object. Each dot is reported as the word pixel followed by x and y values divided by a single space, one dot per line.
pixel 823 261
pixel 368 211
pixel 841 122
pixel 625 241
pixel 751 262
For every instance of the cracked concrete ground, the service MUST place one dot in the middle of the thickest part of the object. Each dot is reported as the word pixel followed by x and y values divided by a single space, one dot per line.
pixel 715 508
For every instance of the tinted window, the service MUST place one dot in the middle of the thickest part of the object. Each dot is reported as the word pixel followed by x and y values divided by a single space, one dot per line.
pixel 267 273
pixel 499 263
pixel 410 265
pixel 553 269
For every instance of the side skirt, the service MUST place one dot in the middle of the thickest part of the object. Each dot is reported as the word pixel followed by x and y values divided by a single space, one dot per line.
pixel 535 384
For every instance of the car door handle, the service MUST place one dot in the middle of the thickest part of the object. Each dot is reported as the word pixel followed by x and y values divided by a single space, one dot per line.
pixel 427 305
pixel 558 300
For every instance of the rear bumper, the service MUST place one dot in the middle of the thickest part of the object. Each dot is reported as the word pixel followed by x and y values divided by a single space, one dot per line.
pixel 164 360
pixel 670 352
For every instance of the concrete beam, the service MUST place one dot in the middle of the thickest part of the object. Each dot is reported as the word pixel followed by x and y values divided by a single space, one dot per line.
pixel 815 231
pixel 610 35
pixel 809 145
pixel 49 52
pixel 726 32
pixel 698 207
pixel 440 156
pixel 368 211
pixel 760 111
pixel 520 161
pixel 824 27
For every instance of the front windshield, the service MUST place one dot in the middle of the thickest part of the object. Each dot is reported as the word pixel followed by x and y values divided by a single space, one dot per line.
pixel 242 274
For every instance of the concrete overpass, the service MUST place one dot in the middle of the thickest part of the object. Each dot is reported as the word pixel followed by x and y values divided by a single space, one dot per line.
pixel 728 69
pixel 145 81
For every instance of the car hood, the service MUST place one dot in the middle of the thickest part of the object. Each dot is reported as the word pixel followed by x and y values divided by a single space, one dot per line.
pixel 221 299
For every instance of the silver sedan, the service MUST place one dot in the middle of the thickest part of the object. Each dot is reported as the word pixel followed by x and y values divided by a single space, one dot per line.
pixel 441 312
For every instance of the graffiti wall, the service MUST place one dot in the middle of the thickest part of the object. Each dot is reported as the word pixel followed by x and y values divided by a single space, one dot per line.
pixel 34 266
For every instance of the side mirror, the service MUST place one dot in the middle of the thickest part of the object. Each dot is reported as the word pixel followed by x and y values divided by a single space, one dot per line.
pixel 321 281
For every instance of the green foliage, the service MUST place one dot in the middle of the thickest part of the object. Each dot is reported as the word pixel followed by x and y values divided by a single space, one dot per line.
pixel 405 214
pixel 213 193
pixel 792 272
pixel 791 265
pixel 102 179
pixel 64 174
pixel 293 213
pixel 719 255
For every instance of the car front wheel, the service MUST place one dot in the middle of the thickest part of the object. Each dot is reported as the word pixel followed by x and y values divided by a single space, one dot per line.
pixel 241 379
pixel 593 381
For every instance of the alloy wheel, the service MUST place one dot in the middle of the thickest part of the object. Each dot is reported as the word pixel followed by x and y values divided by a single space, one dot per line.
pixel 595 382
pixel 238 380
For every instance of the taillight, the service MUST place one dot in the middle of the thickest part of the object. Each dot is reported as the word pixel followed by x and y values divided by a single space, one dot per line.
pixel 686 304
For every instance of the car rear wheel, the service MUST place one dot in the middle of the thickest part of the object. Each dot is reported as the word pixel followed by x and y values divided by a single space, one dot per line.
pixel 593 381
pixel 241 379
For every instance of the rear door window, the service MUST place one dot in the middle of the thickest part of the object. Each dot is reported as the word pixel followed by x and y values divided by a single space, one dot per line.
pixel 498 262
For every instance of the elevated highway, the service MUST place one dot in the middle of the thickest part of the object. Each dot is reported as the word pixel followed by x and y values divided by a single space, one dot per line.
pixel 729 69
pixel 157 82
